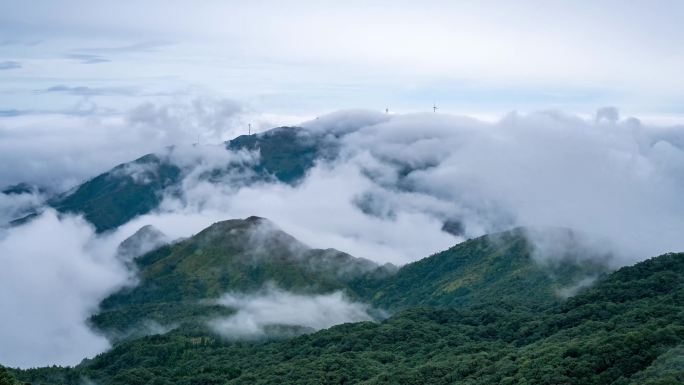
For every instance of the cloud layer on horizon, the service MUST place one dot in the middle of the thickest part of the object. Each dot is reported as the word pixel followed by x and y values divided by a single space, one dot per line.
pixel 492 55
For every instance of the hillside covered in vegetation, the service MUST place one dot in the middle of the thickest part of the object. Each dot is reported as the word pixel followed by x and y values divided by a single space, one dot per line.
pixel 138 187
pixel 483 312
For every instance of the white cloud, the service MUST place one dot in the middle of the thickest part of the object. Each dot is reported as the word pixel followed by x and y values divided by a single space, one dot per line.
pixel 320 212
pixel 400 177
pixel 256 312
pixel 54 274
pixel 59 151
pixel 210 119
pixel 546 169
pixel 15 206
pixel 397 179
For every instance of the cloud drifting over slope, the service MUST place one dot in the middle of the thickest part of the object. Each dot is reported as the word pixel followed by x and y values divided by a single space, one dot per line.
pixel 618 179
pixel 273 307
pixel 59 150
pixel 399 178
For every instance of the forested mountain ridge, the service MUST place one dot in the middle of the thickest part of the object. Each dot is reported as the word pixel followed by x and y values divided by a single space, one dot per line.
pixel 491 310
pixel 627 329
pixel 502 267
pixel 117 196
pixel 176 280
pixel 138 187
pixel 233 255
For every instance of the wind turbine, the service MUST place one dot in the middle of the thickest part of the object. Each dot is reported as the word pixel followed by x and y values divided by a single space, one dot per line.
pixel 434 107
pixel 249 128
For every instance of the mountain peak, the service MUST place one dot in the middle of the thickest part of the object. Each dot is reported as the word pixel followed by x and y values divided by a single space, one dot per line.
pixel 250 239
pixel 241 255
pixel 146 239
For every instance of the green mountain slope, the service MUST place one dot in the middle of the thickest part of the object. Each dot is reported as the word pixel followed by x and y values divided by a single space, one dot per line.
pixel 119 195
pixel 494 268
pixel 286 152
pixel 235 255
pixel 628 329
pixel 245 255
pixel 135 188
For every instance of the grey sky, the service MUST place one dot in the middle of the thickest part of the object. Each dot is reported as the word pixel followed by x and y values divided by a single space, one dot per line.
pixel 484 57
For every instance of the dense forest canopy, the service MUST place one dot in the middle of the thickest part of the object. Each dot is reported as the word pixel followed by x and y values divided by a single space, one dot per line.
pixel 628 328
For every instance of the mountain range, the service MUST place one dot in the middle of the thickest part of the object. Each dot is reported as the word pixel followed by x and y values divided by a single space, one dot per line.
pixel 118 195
pixel 486 311
pixel 495 309
pixel 285 155
pixel 244 255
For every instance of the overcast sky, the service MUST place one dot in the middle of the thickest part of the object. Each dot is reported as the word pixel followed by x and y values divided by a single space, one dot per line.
pixel 306 58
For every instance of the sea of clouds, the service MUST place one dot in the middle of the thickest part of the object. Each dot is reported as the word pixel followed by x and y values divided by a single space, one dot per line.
pixel 386 196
